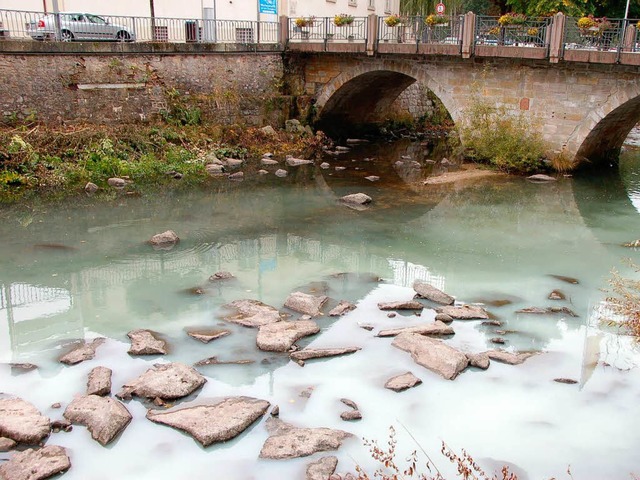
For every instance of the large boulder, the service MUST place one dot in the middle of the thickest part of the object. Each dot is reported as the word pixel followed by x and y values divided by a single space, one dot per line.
pixel 84 351
pixel 305 303
pixel 36 464
pixel 213 423
pixel 165 381
pixel 104 417
pixel 145 342
pixel 435 328
pixel 432 354
pixel 287 441
pixel 252 313
pixel 165 239
pixel 279 336
pixel 99 381
pixel 22 422
pixel 402 382
pixel 431 293
pixel 465 312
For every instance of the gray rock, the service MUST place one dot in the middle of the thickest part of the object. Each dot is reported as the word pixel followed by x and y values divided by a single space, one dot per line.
pixel 557 295
pixel 215 361
pixel 144 342
pixel 85 351
pixel 287 441
pixel 322 469
pixel 221 276
pixel 165 239
pixel 99 381
pixel 432 354
pixel 339 169
pixel 214 168
pixel 567 381
pixel 355 141
pixel 350 415
pixel 252 313
pixel 305 303
pixel 324 165
pixel 342 308
pixel 91 188
pixel 236 176
pixel 541 178
pixel 7 444
pixel 509 358
pixel 281 173
pixel 357 198
pixel 293 126
pixel 22 422
pixel 206 336
pixel 36 464
pixel 498 340
pixel 372 178
pixel 444 318
pixel 349 403
pixel 402 382
pixel 465 312
pixel 279 336
pixel 116 182
pixel 269 131
pixel 432 294
pixel 268 161
pixel 435 328
pixel 233 162
pixel 263 172
pixel 310 353
pixel 219 422
pixel 340 148
pixel 166 381
pixel 296 162
pixel 104 417
pixel 409 305
pixel 267 154
pixel 479 360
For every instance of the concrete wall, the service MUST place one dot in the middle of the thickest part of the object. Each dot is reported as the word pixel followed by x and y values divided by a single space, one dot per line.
pixel 228 88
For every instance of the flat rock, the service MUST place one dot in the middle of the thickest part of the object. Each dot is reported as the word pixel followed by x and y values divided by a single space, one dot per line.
pixel 322 469
pixel 252 313
pixel 99 381
pixel 342 308
pixel 215 361
pixel 409 305
pixel 479 360
pixel 85 351
pixel 268 161
pixel 296 162
pixel 435 328
pixel 402 382
pixel 539 178
pixel 305 303
pixel 164 239
pixel 432 354
pixel 22 422
pixel 206 336
pixel 287 441
pixel 431 293
pixel 213 423
pixel 310 353
pixel 279 336
pixel 104 417
pixel 36 464
pixel 221 276
pixel 357 198
pixel 145 342
pixel 166 381
pixel 509 358
pixel 465 312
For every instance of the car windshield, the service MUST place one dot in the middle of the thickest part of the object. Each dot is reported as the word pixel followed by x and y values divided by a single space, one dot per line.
pixel 96 19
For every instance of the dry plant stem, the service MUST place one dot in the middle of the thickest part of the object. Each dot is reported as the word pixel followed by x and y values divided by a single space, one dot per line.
pixel 420 447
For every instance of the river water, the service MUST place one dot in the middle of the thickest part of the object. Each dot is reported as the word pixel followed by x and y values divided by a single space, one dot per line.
pixel 81 270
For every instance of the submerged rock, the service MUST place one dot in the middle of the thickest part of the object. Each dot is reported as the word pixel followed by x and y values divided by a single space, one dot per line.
pixel 409 305
pixel 36 464
pixel 206 336
pixel 279 336
pixel 221 276
pixel 287 441
pixel 252 313
pixel 402 382
pixel 509 358
pixel 99 381
pixel 342 308
pixel 431 293
pixel 215 361
pixel 541 311
pixel 22 422
pixel 85 351
pixel 166 381
pixel 465 312
pixel 435 328
pixel 310 353
pixel 219 422
pixel 305 303
pixel 357 199
pixel 432 354
pixel 539 178
pixel 563 278
pixel 165 239
pixel 322 469
pixel 104 417
pixel 145 342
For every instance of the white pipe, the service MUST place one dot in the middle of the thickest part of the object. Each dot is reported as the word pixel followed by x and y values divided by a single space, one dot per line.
pixel 626 12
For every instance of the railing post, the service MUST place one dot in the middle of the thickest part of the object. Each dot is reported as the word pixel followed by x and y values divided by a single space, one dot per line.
pixel 557 37
pixel 629 37
pixel 283 34
pixel 468 34
pixel 372 34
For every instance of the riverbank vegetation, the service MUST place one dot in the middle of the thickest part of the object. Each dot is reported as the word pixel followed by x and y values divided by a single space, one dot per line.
pixel 624 301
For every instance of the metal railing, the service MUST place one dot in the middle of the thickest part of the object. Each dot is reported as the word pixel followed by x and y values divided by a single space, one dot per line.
pixel 417 30
pixel 605 36
pixel 636 39
pixel 22 25
pixel 324 29
pixel 533 32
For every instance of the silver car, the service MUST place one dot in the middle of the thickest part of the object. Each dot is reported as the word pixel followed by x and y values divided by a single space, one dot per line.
pixel 78 26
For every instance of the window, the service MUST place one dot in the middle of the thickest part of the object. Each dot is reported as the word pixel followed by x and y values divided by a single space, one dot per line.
pixel 353 3
pixel 387 6
pixel 372 5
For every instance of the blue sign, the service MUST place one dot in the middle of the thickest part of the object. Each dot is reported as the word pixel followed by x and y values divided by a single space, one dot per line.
pixel 269 6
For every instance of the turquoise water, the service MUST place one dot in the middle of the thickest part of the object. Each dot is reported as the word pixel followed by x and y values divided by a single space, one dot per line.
pixel 82 269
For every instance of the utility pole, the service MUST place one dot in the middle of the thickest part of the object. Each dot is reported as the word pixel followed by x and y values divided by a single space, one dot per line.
pixel 56 16
pixel 626 11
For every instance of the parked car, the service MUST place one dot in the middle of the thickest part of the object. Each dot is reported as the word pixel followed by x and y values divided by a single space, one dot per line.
pixel 79 26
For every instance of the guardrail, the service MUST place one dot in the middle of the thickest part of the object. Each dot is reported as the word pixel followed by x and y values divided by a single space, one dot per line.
pixel 324 29
pixel 531 32
pixel 418 29
pixel 605 36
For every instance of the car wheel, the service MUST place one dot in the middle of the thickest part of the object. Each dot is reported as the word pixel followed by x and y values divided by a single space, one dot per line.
pixel 123 36
pixel 66 36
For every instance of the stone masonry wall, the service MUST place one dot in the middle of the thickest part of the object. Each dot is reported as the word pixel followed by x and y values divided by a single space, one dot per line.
pixel 228 87
pixel 415 101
